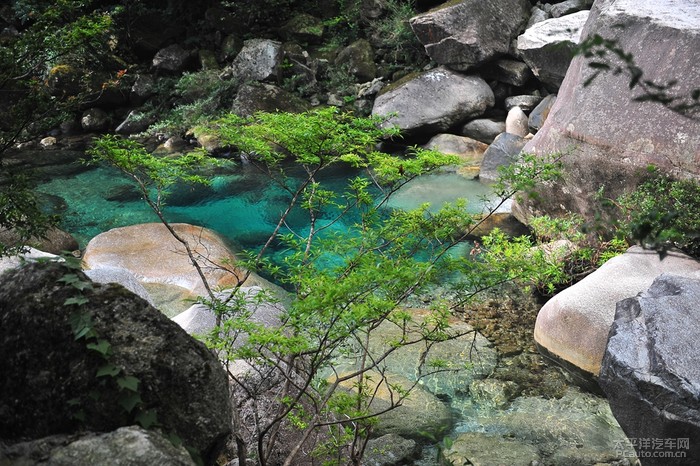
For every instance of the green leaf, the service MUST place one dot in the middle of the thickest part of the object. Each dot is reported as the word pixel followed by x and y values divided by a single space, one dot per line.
pixel 77 300
pixel 101 346
pixel 108 369
pixel 147 418
pixel 129 382
pixel 130 400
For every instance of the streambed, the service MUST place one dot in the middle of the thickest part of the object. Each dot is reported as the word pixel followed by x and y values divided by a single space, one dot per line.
pixel 525 408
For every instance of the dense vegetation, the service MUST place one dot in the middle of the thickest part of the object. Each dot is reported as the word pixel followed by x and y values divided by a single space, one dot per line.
pixel 343 285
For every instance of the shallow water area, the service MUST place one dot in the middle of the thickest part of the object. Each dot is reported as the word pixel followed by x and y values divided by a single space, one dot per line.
pixel 243 206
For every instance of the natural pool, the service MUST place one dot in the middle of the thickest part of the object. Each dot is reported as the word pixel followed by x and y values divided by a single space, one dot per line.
pixel 243 206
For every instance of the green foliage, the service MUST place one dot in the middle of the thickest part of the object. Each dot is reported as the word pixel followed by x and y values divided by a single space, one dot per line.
pixel 663 213
pixel 20 211
pixel 396 34
pixel 344 284
pixel 193 99
pixel 149 170
pixel 60 33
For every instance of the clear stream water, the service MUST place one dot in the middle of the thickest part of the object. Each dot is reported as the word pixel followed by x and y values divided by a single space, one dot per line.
pixel 244 207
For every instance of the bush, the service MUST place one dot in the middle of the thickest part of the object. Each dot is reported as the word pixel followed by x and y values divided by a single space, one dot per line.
pixel 663 213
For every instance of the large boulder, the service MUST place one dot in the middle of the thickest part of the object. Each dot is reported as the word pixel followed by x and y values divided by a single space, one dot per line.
pixel 504 150
pixel 131 446
pixel 549 46
pixel 262 97
pixel 258 60
pixel 358 57
pixel 651 370
pixel 434 101
pixel 483 129
pixel 173 58
pixel 54 241
pixel 573 326
pixel 469 32
pixel 50 383
pixel 609 137
pixel 153 255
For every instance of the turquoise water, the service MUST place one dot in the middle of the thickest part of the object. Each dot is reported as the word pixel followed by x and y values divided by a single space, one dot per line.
pixel 242 206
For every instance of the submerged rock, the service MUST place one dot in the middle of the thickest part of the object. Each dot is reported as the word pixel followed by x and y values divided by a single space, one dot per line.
pixel 577 428
pixel 389 450
pixel 651 369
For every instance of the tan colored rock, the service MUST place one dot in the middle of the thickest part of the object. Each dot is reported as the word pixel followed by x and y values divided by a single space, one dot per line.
pixel 516 122
pixel 573 326
pixel 151 253
pixel 470 151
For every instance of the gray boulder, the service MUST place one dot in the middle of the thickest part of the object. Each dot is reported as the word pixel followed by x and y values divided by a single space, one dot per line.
pixel 200 319
pixel 30 255
pixel 540 113
pixel 132 446
pixel 121 277
pixel 49 384
pixel 504 150
pixel 94 119
pixel 258 60
pixel 144 87
pixel 358 57
pixel 508 71
pixel 469 32
pixel 172 58
pixel 483 129
pixel 548 47
pixel 527 102
pixel 470 151
pixel 569 6
pixel 434 101
pixel 54 241
pixel 263 97
pixel 612 138
pixel 651 369
pixel 573 326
